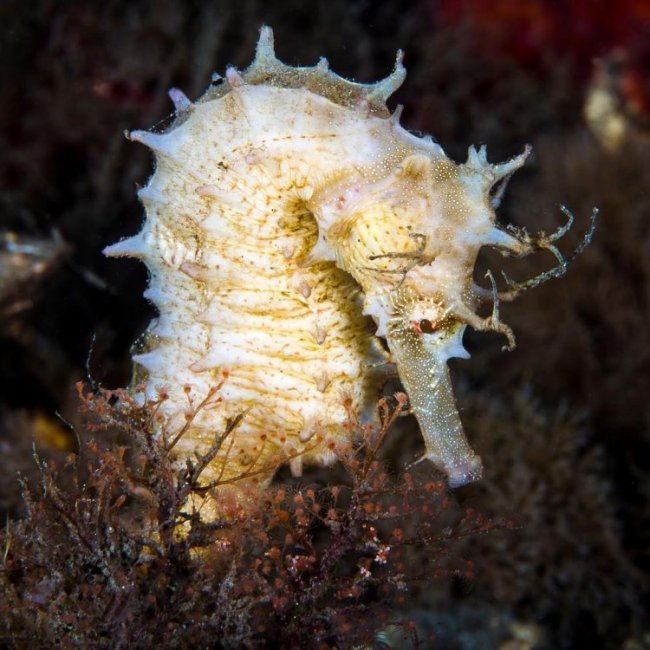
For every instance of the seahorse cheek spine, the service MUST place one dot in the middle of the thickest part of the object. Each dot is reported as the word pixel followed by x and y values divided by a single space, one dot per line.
pixel 288 207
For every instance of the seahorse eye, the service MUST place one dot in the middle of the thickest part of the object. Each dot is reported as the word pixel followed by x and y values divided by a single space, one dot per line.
pixel 426 326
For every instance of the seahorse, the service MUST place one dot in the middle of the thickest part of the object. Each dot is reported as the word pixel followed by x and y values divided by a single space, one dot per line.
pixel 292 226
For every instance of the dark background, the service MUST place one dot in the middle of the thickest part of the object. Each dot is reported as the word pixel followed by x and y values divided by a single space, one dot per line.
pixel 562 423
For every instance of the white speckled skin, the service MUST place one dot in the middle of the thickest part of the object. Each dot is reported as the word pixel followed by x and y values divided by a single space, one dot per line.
pixel 289 217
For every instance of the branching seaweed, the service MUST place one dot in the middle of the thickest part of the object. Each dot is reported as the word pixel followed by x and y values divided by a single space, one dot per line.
pixel 108 550
pixel 542 241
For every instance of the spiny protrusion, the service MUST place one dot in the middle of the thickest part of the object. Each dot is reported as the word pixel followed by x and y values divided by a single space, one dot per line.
pixel 129 247
pixel 206 362
pixel 148 194
pixel 265 50
pixel 505 171
pixel 180 100
pixel 295 465
pixel 510 166
pixel 151 361
pixel 214 192
pixel 477 158
pixel 319 334
pixel 396 115
pixel 309 430
pixel 287 250
pixel 383 89
pixel 159 143
pixel 305 289
pixel 456 349
pixel 234 78
pixel 196 271
pixel 266 68
pixel 155 295
pixel 477 162
pixel 499 238
pixel 209 191
pixel 322 380
pixel 163 328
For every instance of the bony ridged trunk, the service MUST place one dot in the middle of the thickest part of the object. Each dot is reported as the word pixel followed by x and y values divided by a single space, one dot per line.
pixel 291 222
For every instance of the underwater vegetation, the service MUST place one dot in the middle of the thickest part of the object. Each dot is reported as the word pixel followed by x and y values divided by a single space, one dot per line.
pixel 109 556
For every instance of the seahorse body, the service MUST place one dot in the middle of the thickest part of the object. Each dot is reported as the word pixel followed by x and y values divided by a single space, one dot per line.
pixel 290 222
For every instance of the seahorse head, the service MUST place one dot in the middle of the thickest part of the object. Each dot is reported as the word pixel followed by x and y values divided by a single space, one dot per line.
pixel 410 239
